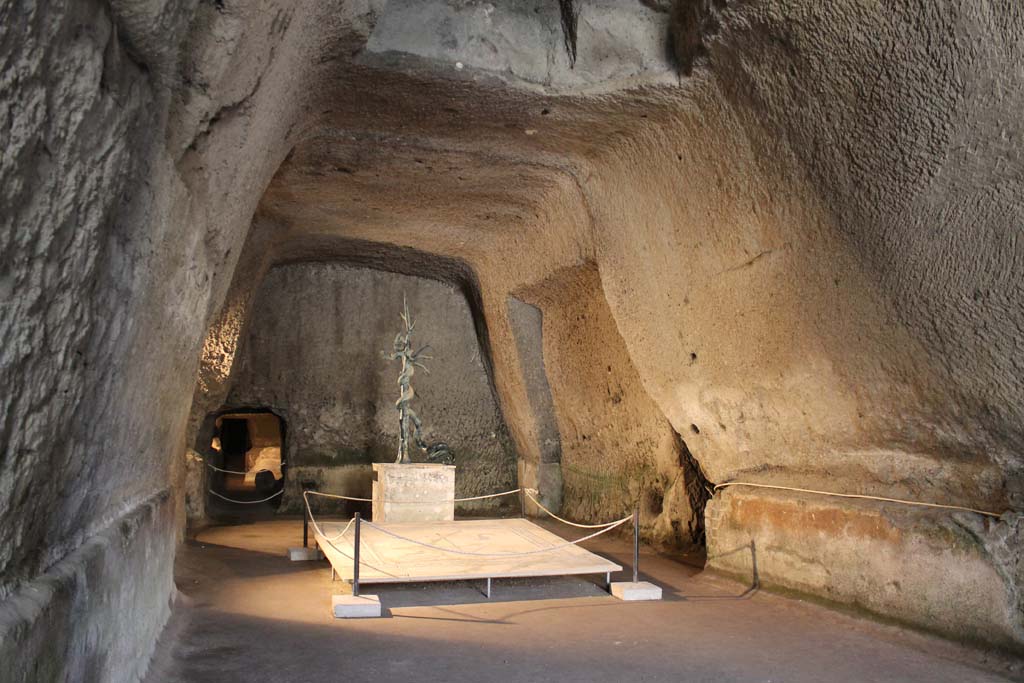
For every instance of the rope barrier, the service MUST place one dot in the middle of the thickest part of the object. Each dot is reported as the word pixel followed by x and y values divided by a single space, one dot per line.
pixel 414 502
pixel 247 502
pixel 343 531
pixel 858 495
pixel 560 519
pixel 218 469
pixel 312 519
pixel 611 526
pixel 330 542
pixel 490 495
pixel 335 495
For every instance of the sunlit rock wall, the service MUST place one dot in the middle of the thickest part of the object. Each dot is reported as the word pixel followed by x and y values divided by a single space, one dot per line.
pixel 829 231
pixel 617 451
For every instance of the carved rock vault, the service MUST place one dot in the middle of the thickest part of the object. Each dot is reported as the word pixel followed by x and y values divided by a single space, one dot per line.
pixel 801 261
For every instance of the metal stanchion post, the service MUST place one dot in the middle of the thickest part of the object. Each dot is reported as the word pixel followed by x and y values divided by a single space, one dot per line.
pixel 305 523
pixel 636 545
pixel 355 556
pixel 306 513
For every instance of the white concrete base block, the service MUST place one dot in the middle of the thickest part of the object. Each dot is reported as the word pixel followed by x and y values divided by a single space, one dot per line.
pixel 641 590
pixel 304 554
pixel 355 607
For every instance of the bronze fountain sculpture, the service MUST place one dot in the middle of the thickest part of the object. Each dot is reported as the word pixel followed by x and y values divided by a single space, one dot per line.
pixel 409 424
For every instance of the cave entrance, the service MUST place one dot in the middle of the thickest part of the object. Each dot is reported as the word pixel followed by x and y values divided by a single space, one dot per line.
pixel 248 456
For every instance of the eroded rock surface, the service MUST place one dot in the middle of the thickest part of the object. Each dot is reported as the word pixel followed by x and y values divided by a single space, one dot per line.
pixel 807 248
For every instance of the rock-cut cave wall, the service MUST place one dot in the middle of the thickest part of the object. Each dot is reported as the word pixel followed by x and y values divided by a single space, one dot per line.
pixel 617 451
pixel 808 247
pixel 314 351
pixel 136 137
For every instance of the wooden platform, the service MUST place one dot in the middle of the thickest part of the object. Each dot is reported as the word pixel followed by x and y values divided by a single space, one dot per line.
pixel 385 559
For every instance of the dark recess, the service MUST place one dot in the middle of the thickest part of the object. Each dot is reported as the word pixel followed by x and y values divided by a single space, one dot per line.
pixel 698 491
pixel 654 502
pixel 570 20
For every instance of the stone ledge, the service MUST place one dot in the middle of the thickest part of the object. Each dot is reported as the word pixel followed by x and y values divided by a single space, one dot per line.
pixel 96 614
pixel 942 571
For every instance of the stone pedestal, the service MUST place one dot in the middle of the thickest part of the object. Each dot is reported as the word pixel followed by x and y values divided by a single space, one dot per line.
pixel 415 492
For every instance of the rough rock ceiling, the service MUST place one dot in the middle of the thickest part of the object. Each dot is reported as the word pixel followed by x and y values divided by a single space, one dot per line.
pixel 458 156
pixel 376 184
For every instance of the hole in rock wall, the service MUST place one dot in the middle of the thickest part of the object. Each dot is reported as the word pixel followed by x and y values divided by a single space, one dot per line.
pixel 246 448
pixel 653 502
pixel 698 492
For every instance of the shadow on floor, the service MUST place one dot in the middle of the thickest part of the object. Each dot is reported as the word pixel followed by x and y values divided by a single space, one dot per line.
pixel 472 592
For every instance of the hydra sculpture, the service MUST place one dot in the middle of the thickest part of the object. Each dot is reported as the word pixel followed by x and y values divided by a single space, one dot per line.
pixel 409 424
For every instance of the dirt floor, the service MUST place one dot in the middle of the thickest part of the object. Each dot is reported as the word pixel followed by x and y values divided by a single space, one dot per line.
pixel 246 613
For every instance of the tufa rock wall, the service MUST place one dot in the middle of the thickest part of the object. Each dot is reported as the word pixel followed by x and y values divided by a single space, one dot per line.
pixel 136 144
pixel 314 353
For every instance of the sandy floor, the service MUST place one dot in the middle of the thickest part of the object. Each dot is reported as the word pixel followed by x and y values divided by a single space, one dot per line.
pixel 248 614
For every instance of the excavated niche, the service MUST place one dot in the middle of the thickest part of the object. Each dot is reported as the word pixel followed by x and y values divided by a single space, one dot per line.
pixel 526 322
pixel 313 349
pixel 616 450
pixel 264 428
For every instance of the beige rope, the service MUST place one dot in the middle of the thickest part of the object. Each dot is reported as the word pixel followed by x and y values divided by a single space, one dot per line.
pixel 415 502
pixel 335 495
pixel 247 502
pixel 858 495
pixel 454 551
pixel 218 469
pixel 320 532
pixel 490 495
pixel 343 531
pixel 565 521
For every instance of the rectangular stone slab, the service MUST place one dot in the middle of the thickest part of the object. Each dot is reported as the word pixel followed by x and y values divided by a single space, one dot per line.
pixel 385 559
pixel 416 492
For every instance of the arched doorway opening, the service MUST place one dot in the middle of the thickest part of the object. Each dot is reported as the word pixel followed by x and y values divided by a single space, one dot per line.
pixel 247 457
